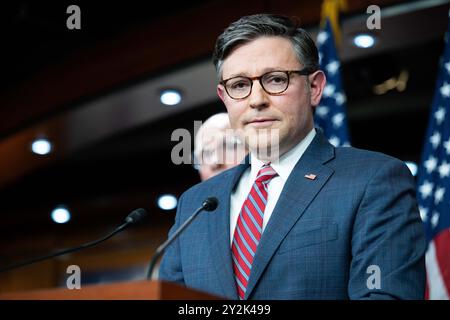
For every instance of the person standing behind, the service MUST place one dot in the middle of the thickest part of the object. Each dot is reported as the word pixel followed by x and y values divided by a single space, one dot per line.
pixel 216 148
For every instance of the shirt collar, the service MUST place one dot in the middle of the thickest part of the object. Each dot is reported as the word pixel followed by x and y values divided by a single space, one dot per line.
pixel 287 161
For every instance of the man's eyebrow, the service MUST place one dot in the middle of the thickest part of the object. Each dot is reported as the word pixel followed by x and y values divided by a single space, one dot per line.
pixel 243 74
pixel 240 74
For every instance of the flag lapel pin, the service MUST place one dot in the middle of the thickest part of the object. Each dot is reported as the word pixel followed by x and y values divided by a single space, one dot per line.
pixel 310 176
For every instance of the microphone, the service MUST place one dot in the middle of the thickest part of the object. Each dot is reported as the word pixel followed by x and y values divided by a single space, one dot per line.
pixel 133 218
pixel 210 204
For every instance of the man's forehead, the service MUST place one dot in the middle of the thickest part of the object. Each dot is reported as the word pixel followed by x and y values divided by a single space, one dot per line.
pixel 261 55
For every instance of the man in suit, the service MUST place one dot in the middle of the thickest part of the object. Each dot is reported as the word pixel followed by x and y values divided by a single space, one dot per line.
pixel 310 221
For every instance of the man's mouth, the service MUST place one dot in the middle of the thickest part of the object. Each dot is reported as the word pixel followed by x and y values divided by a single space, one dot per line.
pixel 261 122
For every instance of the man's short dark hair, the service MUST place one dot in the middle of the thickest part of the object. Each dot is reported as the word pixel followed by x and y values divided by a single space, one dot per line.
pixel 249 28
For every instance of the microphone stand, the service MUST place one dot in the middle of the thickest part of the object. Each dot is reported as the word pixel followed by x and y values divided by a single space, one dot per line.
pixel 133 217
pixel 208 205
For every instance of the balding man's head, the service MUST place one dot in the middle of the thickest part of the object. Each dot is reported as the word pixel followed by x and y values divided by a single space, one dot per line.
pixel 216 147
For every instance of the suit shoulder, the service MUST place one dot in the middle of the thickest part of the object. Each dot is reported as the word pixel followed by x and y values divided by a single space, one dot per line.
pixel 358 166
pixel 347 153
pixel 369 160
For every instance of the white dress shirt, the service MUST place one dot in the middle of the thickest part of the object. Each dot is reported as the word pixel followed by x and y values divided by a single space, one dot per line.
pixel 283 167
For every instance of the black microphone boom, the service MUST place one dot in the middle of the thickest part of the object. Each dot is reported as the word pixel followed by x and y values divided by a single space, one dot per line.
pixel 210 204
pixel 134 217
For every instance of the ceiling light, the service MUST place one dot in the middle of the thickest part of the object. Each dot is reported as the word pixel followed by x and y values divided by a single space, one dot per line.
pixel 41 146
pixel 60 215
pixel 167 202
pixel 170 97
pixel 364 41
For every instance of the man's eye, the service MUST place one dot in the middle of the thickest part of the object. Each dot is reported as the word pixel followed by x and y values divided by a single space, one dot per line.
pixel 208 153
pixel 239 85
pixel 276 80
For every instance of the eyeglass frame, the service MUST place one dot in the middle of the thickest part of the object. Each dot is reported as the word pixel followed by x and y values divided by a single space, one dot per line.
pixel 302 72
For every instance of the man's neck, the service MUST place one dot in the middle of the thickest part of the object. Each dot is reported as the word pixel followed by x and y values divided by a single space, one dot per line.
pixel 276 152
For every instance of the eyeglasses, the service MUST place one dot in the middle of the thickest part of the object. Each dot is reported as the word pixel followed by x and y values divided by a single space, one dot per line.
pixel 273 82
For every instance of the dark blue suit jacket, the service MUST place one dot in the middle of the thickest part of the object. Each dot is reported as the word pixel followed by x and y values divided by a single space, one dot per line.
pixel 352 233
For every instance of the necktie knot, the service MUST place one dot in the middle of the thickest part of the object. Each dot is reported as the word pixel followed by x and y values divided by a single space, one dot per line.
pixel 265 174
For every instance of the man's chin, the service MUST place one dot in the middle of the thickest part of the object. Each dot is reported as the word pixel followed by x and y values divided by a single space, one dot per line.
pixel 266 146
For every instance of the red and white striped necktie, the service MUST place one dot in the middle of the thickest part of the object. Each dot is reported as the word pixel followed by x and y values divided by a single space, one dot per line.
pixel 249 228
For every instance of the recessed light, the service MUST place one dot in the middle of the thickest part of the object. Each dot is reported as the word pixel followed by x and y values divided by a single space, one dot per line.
pixel 170 97
pixel 167 202
pixel 60 215
pixel 364 40
pixel 41 146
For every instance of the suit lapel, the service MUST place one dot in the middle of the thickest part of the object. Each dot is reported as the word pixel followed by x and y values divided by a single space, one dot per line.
pixel 219 232
pixel 297 194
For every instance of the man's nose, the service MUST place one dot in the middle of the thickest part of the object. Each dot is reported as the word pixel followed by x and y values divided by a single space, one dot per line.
pixel 258 97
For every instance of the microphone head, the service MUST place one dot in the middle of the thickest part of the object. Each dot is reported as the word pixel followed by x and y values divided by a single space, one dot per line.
pixel 136 216
pixel 210 204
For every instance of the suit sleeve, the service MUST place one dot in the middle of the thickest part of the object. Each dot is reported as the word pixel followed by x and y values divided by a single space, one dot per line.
pixel 170 267
pixel 388 242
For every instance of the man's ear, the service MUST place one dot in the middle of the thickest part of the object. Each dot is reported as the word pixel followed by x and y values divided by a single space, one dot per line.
pixel 317 82
pixel 221 92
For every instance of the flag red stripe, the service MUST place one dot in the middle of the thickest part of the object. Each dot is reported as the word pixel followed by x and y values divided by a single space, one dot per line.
pixel 442 245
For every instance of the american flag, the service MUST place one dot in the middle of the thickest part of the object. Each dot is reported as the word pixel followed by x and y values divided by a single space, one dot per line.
pixel 331 112
pixel 433 185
